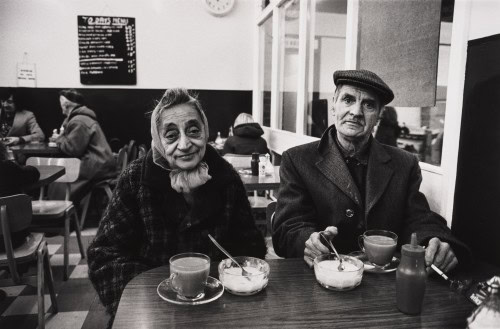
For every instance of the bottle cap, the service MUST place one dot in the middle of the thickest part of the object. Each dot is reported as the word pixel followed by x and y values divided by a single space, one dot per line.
pixel 412 249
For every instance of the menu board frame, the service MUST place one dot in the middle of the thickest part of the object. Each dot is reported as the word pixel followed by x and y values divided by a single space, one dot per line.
pixel 107 50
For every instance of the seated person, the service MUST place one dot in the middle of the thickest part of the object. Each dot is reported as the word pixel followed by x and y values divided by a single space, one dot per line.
pixel 388 129
pixel 348 182
pixel 246 137
pixel 13 178
pixel 82 138
pixel 18 125
pixel 169 201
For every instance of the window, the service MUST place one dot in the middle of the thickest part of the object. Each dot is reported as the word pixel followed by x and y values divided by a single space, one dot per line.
pixel 327 54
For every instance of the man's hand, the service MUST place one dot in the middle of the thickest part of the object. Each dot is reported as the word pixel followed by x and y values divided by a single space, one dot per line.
pixel 440 254
pixel 13 140
pixel 315 246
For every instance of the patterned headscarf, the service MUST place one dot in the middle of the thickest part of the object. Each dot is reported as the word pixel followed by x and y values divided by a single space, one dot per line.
pixel 183 181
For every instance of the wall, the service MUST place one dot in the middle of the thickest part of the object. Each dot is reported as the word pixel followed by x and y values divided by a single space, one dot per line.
pixel 178 42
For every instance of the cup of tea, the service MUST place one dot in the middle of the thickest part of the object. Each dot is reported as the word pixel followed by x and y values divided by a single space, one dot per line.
pixel 188 275
pixel 379 246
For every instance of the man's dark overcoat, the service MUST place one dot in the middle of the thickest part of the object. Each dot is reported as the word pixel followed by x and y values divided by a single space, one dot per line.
pixel 317 190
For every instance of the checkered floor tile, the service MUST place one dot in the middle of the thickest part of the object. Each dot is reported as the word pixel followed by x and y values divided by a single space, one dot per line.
pixel 18 304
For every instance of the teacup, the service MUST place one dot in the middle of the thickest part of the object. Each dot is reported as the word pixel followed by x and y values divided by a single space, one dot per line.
pixel 188 275
pixel 379 246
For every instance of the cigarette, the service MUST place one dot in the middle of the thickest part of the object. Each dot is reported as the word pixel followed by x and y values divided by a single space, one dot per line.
pixel 438 271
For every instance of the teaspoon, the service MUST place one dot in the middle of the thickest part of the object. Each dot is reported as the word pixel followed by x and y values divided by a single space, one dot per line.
pixel 341 266
pixel 243 272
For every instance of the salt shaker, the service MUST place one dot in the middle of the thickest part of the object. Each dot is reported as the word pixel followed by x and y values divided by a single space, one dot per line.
pixel 269 165
pixel 262 166
pixel 411 278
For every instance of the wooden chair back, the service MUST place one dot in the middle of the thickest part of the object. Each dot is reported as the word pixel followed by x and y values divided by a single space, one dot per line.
pixel 238 160
pixel 122 159
pixel 142 150
pixel 271 208
pixel 132 150
pixel 16 212
pixel 72 166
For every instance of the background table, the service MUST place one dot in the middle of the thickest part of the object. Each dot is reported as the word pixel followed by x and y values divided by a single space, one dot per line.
pixel 24 151
pixel 292 299
pixel 269 182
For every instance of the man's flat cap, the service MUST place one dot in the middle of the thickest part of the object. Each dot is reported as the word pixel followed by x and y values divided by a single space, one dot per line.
pixel 366 79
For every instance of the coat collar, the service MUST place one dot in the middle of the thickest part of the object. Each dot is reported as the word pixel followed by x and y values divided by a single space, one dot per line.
pixel 333 166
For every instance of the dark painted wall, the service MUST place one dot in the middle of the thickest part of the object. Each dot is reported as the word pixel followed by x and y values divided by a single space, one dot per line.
pixel 122 112
pixel 476 211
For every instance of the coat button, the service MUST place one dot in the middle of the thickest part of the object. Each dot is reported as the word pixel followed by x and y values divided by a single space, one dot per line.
pixel 188 225
pixel 349 213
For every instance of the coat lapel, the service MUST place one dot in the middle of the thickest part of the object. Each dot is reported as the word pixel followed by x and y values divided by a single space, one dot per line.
pixel 16 123
pixel 332 165
pixel 378 175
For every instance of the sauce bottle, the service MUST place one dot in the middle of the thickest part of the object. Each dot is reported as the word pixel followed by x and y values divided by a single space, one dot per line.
pixel 254 164
pixel 411 278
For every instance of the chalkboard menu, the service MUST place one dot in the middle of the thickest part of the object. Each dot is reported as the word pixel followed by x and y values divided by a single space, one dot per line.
pixel 107 50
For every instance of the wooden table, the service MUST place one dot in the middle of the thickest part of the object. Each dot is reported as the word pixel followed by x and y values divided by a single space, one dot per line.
pixel 269 182
pixel 24 151
pixel 48 174
pixel 293 299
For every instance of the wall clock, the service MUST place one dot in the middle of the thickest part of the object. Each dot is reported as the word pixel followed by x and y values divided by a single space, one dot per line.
pixel 218 7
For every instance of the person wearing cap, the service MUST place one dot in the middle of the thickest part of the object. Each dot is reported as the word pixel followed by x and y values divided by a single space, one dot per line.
pixel 347 183
pixel 82 138
pixel 17 126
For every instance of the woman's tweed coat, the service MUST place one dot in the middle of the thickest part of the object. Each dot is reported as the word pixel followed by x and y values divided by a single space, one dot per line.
pixel 147 222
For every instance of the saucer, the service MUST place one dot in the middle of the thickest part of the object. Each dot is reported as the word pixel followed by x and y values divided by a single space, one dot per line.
pixel 369 267
pixel 213 290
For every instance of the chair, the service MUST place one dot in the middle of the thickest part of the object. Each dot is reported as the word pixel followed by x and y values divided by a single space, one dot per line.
pixel 132 151
pixel 142 150
pixel 258 203
pixel 15 215
pixel 238 161
pixel 270 210
pixel 50 215
pixel 107 184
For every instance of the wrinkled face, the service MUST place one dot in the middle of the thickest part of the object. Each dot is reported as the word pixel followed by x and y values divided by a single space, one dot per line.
pixel 8 105
pixel 66 105
pixel 182 136
pixel 355 112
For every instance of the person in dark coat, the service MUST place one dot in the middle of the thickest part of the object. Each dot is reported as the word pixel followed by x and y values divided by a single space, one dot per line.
pixel 169 201
pixel 13 178
pixel 348 182
pixel 83 138
pixel 247 137
pixel 388 129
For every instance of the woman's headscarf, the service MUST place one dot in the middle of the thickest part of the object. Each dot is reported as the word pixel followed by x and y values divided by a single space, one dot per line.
pixel 183 181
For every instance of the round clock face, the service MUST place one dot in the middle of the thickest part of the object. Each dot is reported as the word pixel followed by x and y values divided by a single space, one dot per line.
pixel 219 7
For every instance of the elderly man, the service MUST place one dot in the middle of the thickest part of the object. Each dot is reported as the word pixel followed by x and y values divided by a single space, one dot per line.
pixel 348 182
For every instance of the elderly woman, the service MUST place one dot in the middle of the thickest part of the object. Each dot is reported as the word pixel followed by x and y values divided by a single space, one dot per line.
pixel 169 201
